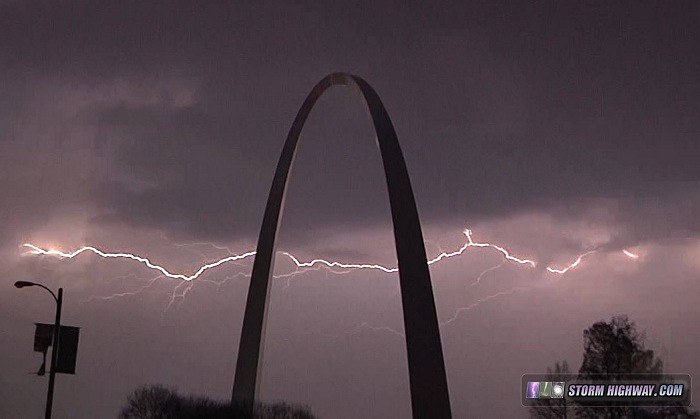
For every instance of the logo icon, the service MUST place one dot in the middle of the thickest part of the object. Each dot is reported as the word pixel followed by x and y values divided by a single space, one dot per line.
pixel 545 389
pixel 558 390
pixel 533 389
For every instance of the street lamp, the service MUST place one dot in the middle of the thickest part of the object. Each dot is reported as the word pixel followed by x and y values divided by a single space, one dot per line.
pixel 54 351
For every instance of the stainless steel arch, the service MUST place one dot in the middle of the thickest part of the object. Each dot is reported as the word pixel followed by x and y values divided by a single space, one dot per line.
pixel 427 377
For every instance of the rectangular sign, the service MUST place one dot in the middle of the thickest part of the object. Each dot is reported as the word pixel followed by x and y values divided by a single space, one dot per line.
pixel 67 349
pixel 67 354
pixel 43 337
pixel 542 390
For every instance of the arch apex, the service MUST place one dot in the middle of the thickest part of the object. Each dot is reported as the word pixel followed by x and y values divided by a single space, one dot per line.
pixel 427 375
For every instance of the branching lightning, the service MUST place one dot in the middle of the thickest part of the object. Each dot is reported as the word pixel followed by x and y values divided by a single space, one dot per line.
pixel 39 251
pixel 35 250
pixel 487 270
pixel 314 264
pixel 128 293
pixel 357 329
pixel 573 265
pixel 180 291
pixel 459 311
pixel 506 254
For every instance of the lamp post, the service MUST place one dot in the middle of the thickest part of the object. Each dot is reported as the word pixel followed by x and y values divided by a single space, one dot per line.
pixel 54 351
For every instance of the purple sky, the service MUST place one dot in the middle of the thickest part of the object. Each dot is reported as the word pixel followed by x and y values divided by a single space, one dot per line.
pixel 153 128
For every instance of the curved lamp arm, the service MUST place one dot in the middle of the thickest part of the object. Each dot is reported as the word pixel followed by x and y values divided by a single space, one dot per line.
pixel 22 284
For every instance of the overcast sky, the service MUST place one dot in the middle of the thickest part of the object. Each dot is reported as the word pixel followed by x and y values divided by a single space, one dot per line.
pixel 153 128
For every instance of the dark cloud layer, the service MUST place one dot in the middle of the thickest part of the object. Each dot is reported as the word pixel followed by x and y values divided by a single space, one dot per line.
pixel 489 99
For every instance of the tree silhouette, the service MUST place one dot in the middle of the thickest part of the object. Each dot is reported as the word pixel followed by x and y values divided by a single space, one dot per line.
pixel 546 409
pixel 617 348
pixel 152 402
pixel 612 349
pixel 158 402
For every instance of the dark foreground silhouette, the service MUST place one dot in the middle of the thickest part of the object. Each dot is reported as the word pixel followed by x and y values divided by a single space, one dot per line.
pixel 611 348
pixel 159 402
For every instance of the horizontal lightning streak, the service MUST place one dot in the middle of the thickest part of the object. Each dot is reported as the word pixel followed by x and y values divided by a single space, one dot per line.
pixel 182 289
pixel 39 251
pixel 35 250
pixel 573 265
pixel 315 263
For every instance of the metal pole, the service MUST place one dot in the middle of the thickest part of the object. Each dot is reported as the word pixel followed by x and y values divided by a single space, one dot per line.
pixel 54 353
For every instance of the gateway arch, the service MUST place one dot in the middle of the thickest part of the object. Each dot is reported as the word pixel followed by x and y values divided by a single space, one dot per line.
pixel 426 367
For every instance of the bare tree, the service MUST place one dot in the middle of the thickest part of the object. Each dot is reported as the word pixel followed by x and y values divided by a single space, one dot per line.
pixel 158 402
pixel 553 409
pixel 152 402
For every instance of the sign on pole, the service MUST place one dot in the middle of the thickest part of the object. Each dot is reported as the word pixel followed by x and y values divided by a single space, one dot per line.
pixel 67 354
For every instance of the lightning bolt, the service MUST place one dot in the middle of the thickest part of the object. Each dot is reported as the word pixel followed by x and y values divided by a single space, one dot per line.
pixel 366 326
pixel 181 290
pixel 39 251
pixel 505 253
pixel 315 263
pixel 630 254
pixel 460 310
pixel 35 250
pixel 128 293
pixel 572 266
pixel 485 271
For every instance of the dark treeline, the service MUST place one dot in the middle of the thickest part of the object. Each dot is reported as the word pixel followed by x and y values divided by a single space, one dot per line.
pixel 159 402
